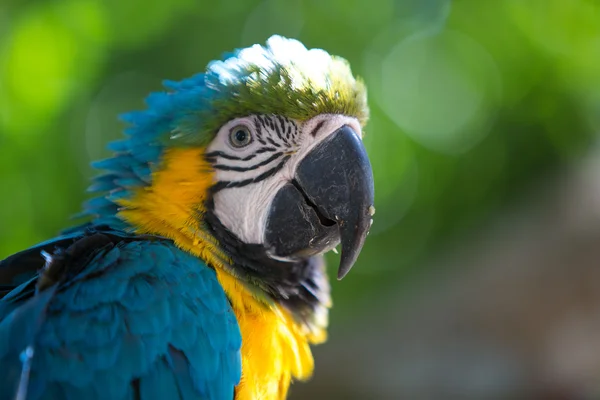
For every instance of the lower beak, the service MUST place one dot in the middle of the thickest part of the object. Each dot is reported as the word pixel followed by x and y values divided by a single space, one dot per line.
pixel 329 201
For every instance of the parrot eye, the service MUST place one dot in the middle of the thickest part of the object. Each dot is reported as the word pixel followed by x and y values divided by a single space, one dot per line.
pixel 240 136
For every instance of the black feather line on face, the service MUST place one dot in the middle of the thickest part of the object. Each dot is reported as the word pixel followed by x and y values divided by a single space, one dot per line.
pixel 277 131
pixel 220 185
pixel 281 122
pixel 316 129
pixel 258 128
pixel 223 167
pixel 265 150
pixel 274 143
pixel 295 134
pixel 214 154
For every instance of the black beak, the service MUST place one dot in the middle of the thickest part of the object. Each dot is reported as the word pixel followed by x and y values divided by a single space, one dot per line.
pixel 330 201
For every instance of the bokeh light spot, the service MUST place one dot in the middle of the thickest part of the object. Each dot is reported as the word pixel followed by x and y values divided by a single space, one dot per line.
pixel 440 89
pixel 39 62
pixel 46 53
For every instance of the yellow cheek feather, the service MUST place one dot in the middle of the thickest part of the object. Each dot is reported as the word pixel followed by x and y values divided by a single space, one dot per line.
pixel 275 348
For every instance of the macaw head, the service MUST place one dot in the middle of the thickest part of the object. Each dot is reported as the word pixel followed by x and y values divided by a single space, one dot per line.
pixel 257 165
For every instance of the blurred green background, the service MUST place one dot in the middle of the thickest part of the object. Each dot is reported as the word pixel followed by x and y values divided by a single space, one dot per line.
pixel 475 104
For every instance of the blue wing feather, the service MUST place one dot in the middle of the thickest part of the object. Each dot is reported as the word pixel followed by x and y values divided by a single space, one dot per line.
pixel 159 383
pixel 141 319
pixel 179 364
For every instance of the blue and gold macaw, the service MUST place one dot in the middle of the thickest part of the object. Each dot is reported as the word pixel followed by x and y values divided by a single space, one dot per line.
pixel 200 275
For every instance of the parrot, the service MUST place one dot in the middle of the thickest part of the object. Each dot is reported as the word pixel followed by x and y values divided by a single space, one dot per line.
pixel 197 270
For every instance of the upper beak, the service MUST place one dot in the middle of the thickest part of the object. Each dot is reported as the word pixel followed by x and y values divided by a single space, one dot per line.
pixel 330 200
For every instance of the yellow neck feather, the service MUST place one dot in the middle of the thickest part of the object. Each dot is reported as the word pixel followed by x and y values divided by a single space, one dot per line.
pixel 275 348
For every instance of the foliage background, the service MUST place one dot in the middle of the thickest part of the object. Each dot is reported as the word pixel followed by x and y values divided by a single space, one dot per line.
pixel 475 104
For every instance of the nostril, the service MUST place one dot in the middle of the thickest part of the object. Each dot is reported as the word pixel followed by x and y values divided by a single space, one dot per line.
pixel 322 218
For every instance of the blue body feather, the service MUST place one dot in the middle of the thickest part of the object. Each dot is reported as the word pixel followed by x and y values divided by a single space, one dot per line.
pixel 138 319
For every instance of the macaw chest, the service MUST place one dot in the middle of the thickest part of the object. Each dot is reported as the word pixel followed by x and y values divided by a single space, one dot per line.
pixel 274 350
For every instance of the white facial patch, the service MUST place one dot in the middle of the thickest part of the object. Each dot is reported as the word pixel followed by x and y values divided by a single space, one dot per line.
pixel 250 173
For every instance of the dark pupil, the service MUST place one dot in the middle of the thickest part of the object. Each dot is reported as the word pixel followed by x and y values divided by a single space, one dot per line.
pixel 240 136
